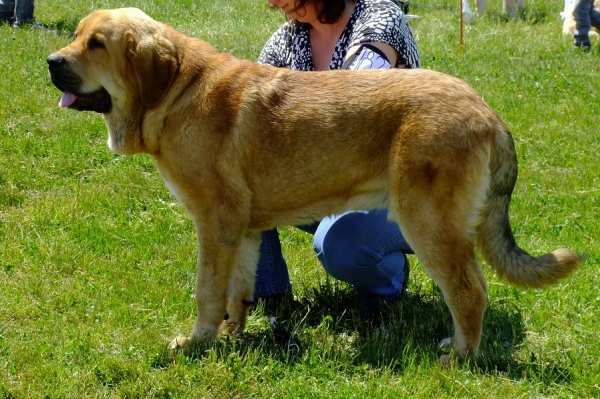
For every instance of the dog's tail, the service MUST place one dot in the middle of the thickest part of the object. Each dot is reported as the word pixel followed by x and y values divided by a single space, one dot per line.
pixel 494 234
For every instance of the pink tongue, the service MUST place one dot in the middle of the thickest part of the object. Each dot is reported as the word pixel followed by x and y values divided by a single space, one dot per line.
pixel 67 99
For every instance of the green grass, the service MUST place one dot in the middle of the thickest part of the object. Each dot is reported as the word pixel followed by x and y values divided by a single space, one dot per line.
pixel 97 260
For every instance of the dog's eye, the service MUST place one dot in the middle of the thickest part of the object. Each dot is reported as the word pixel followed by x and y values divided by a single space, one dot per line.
pixel 94 43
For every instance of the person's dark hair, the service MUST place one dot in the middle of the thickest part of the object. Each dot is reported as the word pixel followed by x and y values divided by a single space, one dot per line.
pixel 328 11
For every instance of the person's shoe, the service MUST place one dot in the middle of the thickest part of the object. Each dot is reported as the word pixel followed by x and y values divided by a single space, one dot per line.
pixel 467 14
pixel 9 21
pixel 584 47
pixel 29 23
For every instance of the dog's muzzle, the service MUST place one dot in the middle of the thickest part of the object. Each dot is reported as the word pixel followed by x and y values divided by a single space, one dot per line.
pixel 69 83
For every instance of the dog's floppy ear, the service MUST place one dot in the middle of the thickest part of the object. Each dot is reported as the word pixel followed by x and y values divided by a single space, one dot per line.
pixel 155 64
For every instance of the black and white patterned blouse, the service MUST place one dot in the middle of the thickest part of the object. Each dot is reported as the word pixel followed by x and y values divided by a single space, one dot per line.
pixel 371 21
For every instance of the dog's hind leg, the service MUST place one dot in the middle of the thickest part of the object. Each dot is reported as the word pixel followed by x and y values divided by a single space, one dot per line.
pixel 240 292
pixel 448 256
pixel 437 202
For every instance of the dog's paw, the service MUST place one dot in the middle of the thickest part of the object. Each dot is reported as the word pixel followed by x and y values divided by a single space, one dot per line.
pixel 446 345
pixel 180 344
pixel 191 347
pixel 234 325
pixel 233 328
pixel 446 361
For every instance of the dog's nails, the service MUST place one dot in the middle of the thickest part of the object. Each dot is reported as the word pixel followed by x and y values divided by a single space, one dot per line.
pixel 445 343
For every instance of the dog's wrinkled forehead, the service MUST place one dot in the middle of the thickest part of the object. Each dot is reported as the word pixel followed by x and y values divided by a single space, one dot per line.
pixel 116 21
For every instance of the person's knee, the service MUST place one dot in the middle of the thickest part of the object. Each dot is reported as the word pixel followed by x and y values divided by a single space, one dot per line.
pixel 360 248
pixel 349 263
pixel 345 257
pixel 328 236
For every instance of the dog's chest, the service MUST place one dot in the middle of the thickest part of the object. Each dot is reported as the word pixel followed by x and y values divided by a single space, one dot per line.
pixel 173 189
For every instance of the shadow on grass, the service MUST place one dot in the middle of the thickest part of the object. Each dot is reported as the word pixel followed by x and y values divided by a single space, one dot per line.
pixel 334 323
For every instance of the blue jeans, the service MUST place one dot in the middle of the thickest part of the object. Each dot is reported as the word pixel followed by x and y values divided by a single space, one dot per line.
pixel 585 17
pixel 16 10
pixel 362 248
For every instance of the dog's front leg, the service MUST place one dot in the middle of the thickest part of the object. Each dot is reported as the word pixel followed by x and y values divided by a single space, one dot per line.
pixel 240 294
pixel 217 247
pixel 211 290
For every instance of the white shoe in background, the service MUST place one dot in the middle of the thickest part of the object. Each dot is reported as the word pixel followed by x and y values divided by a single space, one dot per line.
pixel 467 14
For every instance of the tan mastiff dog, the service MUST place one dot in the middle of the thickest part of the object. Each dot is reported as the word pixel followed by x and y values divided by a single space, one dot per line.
pixel 248 147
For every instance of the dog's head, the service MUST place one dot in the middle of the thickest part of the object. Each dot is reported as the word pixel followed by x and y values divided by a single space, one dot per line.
pixel 121 65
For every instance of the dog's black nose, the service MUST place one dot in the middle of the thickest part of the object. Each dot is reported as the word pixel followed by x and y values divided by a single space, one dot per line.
pixel 55 60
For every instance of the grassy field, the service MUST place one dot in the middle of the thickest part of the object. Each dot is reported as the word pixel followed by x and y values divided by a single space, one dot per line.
pixel 97 260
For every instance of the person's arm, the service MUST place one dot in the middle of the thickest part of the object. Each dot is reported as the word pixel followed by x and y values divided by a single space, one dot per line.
pixel 384 27
pixel 371 55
